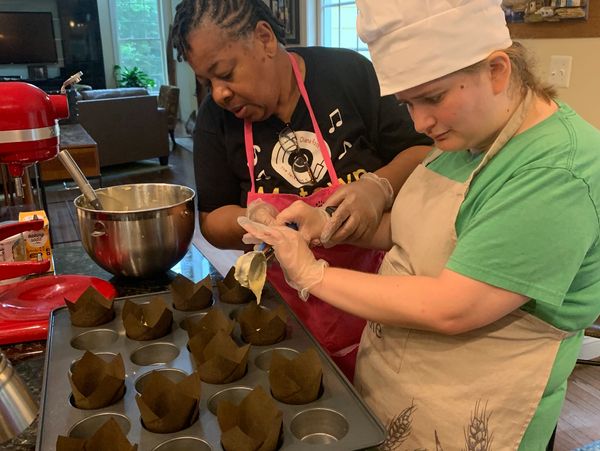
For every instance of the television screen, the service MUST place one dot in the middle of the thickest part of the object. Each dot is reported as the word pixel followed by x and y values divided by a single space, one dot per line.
pixel 27 38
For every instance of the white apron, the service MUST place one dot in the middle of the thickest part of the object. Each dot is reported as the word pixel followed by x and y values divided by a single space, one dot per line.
pixel 433 391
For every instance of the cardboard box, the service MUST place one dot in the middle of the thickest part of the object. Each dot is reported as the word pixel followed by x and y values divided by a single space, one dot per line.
pixel 37 242
pixel 12 249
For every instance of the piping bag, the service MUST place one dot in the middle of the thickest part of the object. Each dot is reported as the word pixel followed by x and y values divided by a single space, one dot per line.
pixel 251 267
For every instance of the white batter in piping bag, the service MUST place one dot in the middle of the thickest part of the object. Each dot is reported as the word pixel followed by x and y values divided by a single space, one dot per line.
pixel 251 270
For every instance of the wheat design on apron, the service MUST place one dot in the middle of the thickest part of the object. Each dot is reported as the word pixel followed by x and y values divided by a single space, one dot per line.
pixel 474 391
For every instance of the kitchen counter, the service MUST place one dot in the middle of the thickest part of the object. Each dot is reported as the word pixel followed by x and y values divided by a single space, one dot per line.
pixel 28 358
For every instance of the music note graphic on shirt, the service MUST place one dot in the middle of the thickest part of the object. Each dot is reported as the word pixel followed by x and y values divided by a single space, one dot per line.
pixel 347 146
pixel 256 152
pixel 338 120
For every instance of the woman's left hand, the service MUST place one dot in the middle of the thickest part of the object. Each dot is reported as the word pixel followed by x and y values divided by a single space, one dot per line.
pixel 300 268
pixel 308 220
pixel 261 211
pixel 360 206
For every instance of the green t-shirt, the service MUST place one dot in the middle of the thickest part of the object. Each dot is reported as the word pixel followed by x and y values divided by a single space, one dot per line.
pixel 530 224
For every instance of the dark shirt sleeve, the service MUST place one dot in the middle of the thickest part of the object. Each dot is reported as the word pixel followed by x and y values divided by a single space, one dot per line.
pixel 216 183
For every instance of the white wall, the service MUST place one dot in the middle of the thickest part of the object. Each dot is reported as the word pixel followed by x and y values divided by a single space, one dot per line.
pixel 583 93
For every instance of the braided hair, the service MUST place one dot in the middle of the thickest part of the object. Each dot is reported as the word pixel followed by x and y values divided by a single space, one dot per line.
pixel 238 17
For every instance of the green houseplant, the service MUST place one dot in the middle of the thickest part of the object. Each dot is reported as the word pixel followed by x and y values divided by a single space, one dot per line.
pixel 132 78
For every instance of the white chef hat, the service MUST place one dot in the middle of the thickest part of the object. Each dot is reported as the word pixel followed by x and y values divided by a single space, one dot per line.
pixel 415 41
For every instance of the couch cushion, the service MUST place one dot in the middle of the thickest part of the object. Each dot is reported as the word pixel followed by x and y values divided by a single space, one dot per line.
pixel 111 93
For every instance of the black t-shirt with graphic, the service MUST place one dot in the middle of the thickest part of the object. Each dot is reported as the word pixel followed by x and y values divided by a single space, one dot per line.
pixel 363 131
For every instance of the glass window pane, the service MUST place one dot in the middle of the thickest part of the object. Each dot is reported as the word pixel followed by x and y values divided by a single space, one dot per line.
pixel 338 26
pixel 139 40
pixel 348 36
pixel 331 27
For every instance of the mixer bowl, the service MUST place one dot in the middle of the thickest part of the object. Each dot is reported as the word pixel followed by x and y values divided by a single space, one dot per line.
pixel 143 229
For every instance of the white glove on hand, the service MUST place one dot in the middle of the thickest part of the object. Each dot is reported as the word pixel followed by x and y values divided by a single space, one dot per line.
pixel 361 205
pixel 300 268
pixel 309 220
pixel 261 211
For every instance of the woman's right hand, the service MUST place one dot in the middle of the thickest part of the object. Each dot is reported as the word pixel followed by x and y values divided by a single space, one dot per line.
pixel 300 267
pixel 309 220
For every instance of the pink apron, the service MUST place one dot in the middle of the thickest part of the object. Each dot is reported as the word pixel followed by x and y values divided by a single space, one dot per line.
pixel 338 332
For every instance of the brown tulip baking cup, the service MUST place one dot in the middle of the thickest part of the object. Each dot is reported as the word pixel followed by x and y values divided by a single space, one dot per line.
pixel 261 326
pixel 96 383
pixel 230 290
pixel 209 324
pixel 219 360
pixel 189 296
pixel 147 321
pixel 90 309
pixel 254 424
pixel 296 381
pixel 108 437
pixel 167 406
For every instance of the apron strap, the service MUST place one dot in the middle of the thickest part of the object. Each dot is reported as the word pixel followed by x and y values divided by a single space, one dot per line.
pixel 322 145
pixel 435 152
pixel 505 135
pixel 509 130
pixel 249 144
pixel 249 138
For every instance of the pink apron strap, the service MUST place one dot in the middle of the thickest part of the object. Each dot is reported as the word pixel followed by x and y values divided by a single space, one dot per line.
pixel 322 145
pixel 249 139
pixel 249 144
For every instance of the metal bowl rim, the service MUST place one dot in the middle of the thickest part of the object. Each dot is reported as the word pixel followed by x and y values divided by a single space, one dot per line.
pixel 192 195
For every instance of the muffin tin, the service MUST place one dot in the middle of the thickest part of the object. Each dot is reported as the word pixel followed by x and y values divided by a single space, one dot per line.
pixel 338 420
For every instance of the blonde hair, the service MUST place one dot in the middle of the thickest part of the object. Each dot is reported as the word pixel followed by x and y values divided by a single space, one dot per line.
pixel 522 76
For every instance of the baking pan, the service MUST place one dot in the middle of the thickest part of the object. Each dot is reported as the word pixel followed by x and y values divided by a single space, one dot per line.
pixel 338 420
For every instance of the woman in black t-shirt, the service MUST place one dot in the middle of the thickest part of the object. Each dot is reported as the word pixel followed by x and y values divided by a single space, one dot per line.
pixel 260 136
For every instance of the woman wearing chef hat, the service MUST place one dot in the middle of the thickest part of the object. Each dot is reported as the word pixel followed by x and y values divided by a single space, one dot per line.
pixel 493 270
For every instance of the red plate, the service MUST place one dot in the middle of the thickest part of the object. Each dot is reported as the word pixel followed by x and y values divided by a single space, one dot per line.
pixel 25 306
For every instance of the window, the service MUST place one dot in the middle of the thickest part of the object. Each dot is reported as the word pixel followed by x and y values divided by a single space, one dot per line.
pixel 138 37
pixel 338 26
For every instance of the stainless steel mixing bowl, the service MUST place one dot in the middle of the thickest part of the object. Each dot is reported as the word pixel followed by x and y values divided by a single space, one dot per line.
pixel 142 230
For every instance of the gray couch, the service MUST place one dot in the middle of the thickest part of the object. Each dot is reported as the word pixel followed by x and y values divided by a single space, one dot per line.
pixel 126 123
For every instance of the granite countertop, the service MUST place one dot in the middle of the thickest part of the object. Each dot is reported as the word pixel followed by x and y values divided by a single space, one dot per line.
pixel 28 358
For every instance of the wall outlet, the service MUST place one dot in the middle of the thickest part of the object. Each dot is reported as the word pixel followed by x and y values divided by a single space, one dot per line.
pixel 560 71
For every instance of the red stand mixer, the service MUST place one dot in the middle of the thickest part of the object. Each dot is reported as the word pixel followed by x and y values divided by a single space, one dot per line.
pixel 28 128
pixel 28 133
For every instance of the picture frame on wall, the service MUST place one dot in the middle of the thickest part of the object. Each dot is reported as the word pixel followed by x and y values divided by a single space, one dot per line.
pixel 545 11
pixel 288 12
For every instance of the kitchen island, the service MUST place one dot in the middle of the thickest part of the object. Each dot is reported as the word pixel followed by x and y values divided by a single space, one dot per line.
pixel 28 358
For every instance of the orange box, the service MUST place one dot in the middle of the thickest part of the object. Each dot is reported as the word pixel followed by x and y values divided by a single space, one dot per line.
pixel 37 242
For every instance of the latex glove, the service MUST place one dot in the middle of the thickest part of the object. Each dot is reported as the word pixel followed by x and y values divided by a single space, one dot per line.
pixel 308 220
pixel 300 268
pixel 360 206
pixel 261 211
